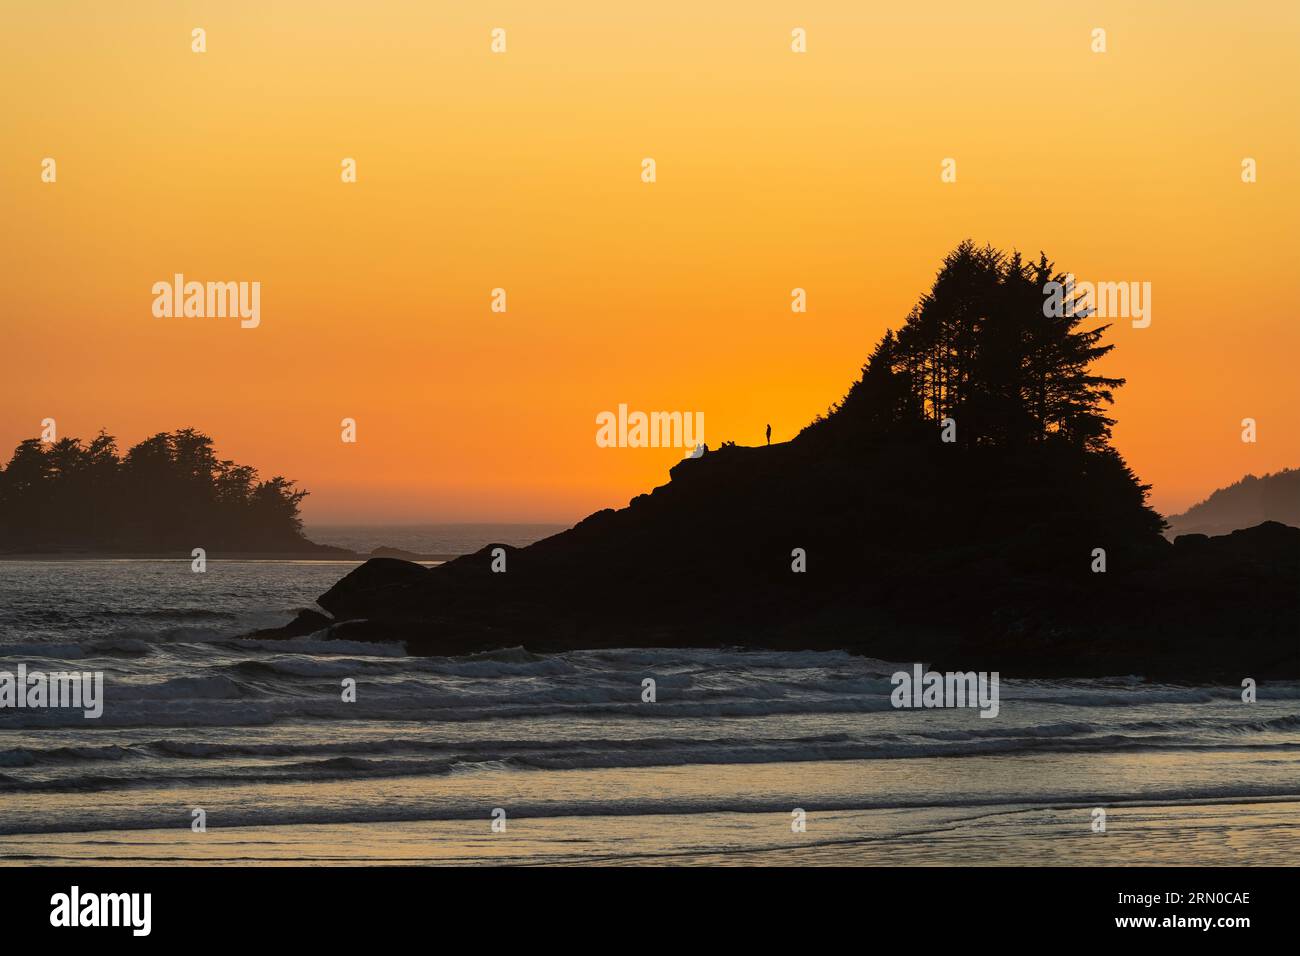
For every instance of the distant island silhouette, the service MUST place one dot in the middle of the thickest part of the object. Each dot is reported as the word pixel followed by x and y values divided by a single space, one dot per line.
pixel 167 495
pixel 1243 504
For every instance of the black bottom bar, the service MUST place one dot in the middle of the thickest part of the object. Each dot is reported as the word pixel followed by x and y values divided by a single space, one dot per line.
pixel 655 906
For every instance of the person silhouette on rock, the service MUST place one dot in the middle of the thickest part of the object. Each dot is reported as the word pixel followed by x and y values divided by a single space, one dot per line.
pixel 769 434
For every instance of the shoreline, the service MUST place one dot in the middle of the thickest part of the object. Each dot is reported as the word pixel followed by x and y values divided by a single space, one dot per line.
pixel 1138 833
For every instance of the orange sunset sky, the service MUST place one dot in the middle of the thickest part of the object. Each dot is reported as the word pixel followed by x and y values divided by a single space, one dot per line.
pixel 521 170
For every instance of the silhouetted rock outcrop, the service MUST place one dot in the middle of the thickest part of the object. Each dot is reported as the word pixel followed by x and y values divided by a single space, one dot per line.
pixel 962 506
pixel 684 566
pixel 706 560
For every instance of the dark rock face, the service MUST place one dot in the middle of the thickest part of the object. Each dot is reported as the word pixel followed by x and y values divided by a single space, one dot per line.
pixel 307 622
pixel 367 586
pixel 914 551
pixel 1220 608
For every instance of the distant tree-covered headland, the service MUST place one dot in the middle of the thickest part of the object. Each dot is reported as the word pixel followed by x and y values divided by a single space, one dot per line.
pixel 1244 504
pixel 169 492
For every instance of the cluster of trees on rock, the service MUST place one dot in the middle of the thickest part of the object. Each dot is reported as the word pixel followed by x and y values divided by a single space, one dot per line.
pixel 1027 409
pixel 978 348
pixel 169 492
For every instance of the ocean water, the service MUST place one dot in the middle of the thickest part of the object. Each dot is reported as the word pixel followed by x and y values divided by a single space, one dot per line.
pixel 441 539
pixel 256 734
